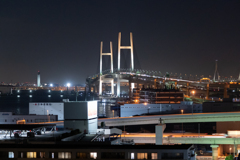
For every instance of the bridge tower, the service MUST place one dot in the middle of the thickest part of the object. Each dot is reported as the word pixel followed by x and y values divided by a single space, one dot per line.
pixel 106 54
pixel 119 56
pixel 100 78
pixel 125 47
pixel 216 73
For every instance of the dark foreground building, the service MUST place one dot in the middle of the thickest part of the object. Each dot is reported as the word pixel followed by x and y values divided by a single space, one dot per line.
pixel 18 101
pixel 77 151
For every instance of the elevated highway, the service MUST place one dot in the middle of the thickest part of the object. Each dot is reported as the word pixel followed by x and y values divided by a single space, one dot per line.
pixel 187 138
pixel 174 118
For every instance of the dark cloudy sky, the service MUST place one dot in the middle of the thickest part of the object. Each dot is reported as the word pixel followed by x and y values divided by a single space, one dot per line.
pixel 62 38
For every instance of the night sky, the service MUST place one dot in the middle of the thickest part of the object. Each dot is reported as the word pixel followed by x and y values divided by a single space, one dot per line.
pixel 62 39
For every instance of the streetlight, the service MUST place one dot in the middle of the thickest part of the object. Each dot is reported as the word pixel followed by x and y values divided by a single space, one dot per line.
pixel 113 113
pixel 182 122
pixel 230 150
pixel 68 85
pixel 51 84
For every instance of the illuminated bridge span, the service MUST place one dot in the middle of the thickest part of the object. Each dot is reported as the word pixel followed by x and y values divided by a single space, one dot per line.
pixel 134 78
pixel 131 76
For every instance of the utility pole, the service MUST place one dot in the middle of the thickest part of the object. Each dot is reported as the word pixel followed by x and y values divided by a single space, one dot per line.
pixel 198 129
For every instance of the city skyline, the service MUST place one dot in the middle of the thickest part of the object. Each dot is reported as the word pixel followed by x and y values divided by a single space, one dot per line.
pixel 62 40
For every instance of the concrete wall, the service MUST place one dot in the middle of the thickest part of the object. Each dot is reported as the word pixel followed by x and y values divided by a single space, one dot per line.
pixel 75 110
pixel 44 108
pixel 90 126
pixel 81 115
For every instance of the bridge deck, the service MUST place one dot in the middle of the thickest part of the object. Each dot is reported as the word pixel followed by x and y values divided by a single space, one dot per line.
pixel 174 118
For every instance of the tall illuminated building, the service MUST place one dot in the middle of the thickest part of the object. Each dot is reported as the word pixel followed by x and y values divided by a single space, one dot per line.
pixel 38 79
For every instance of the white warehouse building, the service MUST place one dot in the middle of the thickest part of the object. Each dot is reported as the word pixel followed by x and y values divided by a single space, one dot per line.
pixel 128 110
pixel 9 118
pixel 47 108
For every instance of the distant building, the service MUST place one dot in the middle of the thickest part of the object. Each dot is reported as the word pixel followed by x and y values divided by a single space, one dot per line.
pixel 127 110
pixel 18 101
pixel 5 89
pixel 157 96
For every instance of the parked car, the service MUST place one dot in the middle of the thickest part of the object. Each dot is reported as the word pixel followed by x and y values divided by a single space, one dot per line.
pixel 38 132
pixel 17 131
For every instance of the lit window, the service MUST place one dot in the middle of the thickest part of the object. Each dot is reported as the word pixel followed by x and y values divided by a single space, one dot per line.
pixel 42 154
pixel 18 96
pixel 93 155
pixel 61 95
pixel 52 155
pixel 64 155
pixel 154 156
pixel 141 155
pixel 132 155
pixel 82 155
pixel 31 155
pixel 30 96
pixel 49 95
pixel 10 155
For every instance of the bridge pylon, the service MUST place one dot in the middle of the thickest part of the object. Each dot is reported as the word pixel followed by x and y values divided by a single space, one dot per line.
pixel 106 54
pixel 100 77
pixel 125 47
